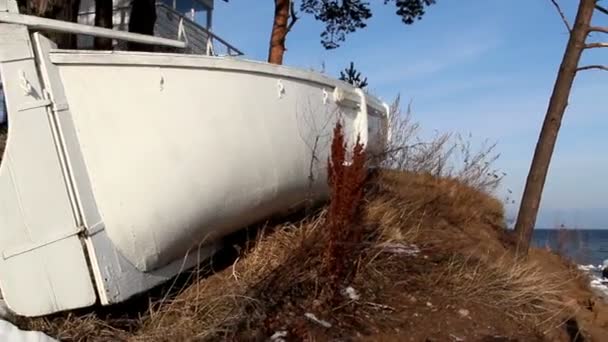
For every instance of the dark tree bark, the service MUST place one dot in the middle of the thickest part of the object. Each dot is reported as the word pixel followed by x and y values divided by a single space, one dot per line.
pixel 535 182
pixel 66 10
pixel 103 18
pixel 279 31
pixel 340 18
pixel 142 20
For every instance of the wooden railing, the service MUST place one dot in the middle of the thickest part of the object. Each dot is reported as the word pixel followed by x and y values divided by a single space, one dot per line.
pixel 38 23
pixel 198 37
pixel 208 42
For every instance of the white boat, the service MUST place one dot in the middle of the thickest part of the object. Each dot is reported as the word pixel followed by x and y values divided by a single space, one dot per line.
pixel 123 169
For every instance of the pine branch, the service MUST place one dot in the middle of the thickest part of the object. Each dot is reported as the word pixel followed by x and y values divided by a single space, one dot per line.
pixel 598 29
pixel 590 67
pixel 601 9
pixel 595 45
pixel 562 15
pixel 294 16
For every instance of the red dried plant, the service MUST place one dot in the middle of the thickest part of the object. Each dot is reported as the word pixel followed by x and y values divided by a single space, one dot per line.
pixel 346 181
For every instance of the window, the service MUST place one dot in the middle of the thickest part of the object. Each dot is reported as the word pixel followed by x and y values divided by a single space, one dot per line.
pixel 193 10
pixel 200 17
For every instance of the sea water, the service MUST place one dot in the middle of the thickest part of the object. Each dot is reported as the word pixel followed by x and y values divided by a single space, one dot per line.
pixel 587 247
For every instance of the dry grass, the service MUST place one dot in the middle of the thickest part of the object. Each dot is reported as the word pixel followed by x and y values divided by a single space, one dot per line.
pixel 278 278
pixel 523 290
pixel 202 306
pixel 572 244
pixel 571 247
pixel 446 155
pixel 431 241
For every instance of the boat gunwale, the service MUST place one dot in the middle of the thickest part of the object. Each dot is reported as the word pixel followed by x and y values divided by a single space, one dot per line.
pixel 231 64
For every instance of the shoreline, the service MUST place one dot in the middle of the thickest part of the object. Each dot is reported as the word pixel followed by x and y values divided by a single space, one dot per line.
pixel 598 285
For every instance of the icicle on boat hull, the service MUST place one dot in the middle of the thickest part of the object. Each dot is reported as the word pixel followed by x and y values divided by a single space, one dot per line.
pixel 123 169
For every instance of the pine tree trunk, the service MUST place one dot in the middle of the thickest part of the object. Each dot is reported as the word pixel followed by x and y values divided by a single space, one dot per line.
pixel 535 182
pixel 279 32
pixel 103 18
pixel 66 10
pixel 142 20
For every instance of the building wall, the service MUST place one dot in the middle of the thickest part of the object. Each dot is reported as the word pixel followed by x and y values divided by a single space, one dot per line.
pixel 167 26
pixel 87 16
pixel 167 23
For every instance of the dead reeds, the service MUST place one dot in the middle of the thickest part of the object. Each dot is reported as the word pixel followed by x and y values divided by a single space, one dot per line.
pixel 523 290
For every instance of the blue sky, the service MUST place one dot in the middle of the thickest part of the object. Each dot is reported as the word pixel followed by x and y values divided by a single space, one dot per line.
pixel 470 66
pixel 480 67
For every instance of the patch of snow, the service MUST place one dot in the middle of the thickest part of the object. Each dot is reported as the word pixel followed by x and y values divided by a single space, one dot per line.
pixel 10 333
pixel 278 336
pixel 314 318
pixel 463 312
pixel 599 284
pixel 401 248
pixel 596 281
pixel 352 293
pixel 456 338
pixel 590 267
pixel 5 312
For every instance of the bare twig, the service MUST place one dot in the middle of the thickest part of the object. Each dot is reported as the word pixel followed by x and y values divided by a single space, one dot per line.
pixel 589 67
pixel 380 306
pixel 596 45
pixel 601 9
pixel 294 16
pixel 311 174
pixel 234 272
pixel 598 29
pixel 561 14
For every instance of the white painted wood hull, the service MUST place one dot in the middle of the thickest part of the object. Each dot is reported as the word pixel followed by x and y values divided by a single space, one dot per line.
pixel 179 152
pixel 137 164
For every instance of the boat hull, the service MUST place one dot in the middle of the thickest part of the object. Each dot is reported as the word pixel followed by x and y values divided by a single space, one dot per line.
pixel 179 153
pixel 159 156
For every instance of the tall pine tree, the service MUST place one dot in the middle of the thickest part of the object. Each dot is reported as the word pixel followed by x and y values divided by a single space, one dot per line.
pixel 341 17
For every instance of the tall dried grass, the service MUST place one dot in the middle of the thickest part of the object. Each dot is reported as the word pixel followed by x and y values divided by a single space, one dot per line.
pixel 447 155
pixel 522 289
pixel 571 244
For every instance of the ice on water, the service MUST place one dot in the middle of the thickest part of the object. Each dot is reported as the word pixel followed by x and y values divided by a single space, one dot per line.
pixel 597 282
